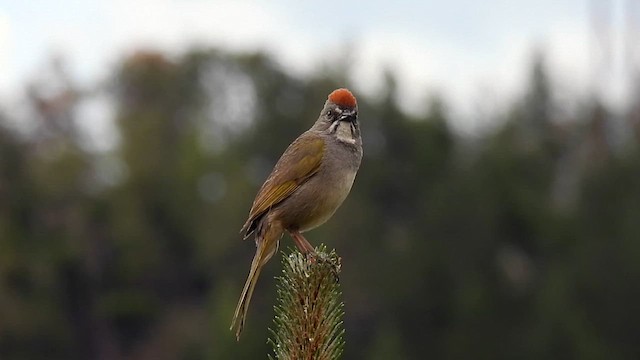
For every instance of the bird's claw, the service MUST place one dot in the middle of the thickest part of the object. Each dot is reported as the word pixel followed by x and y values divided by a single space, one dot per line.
pixel 312 257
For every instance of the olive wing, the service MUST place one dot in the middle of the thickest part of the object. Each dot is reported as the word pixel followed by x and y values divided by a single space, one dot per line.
pixel 297 164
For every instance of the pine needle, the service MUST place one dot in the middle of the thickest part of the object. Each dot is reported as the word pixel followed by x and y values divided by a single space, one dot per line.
pixel 308 317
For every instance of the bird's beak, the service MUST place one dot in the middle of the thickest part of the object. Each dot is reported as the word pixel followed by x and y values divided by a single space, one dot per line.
pixel 349 116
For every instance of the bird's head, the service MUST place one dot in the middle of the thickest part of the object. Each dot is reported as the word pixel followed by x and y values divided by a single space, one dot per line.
pixel 340 113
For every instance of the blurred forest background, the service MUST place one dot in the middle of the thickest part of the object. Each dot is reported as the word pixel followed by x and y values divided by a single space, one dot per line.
pixel 520 243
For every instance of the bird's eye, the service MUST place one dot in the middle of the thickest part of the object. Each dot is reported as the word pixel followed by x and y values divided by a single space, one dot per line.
pixel 329 113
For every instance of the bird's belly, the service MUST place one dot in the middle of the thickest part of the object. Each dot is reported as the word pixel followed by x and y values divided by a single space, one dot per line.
pixel 313 208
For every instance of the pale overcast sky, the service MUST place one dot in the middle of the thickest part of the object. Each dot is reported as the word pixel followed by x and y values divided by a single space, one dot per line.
pixel 474 53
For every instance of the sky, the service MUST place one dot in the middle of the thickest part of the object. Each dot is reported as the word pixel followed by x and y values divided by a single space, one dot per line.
pixel 473 53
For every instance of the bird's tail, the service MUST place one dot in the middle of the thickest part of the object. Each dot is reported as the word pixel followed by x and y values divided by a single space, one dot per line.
pixel 267 245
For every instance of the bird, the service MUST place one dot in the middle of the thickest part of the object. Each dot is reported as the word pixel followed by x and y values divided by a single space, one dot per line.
pixel 309 182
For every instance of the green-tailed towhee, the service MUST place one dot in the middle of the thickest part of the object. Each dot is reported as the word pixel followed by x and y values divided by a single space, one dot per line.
pixel 306 186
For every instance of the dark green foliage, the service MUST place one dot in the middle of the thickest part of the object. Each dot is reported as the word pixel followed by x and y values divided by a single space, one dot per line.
pixel 518 243
pixel 308 317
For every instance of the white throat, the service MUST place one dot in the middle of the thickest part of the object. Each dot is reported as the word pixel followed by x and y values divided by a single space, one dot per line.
pixel 344 132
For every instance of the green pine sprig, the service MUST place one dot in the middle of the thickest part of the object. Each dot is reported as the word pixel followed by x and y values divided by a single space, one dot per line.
pixel 308 316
